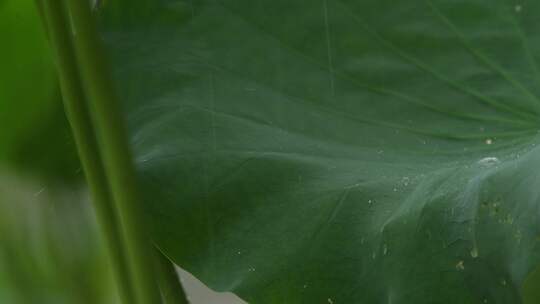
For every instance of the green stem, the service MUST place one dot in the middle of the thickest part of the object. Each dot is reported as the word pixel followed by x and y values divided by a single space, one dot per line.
pixel 55 18
pixel 169 281
pixel 113 145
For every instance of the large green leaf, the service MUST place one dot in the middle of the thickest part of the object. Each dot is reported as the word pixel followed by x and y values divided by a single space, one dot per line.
pixel 351 151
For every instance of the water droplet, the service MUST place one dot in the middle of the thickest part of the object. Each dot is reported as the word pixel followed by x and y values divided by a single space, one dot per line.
pixel 385 249
pixel 330 301
pixel 474 252
pixel 305 286
pixel 370 203
pixel 489 141
pixel 460 265
pixel 406 181
pixel 488 161
pixel 374 255
pixel 518 8
pixel 503 282
pixel 239 252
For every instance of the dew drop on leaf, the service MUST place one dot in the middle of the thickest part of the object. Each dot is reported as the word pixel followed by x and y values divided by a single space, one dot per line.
pixel 406 181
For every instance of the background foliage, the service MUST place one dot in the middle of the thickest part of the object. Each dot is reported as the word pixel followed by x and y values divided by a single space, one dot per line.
pixel 49 252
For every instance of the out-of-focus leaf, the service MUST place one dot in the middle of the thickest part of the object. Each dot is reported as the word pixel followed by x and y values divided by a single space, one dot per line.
pixel 34 133
pixel 318 151
pixel 49 250
pixel 27 81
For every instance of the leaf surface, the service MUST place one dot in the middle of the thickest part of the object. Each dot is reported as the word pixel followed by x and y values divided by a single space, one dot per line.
pixel 337 151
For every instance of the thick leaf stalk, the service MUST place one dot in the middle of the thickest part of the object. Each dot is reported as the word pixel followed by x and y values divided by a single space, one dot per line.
pixel 112 144
pixel 56 22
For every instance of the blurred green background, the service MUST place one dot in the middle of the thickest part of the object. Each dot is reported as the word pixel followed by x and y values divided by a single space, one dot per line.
pixel 49 251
